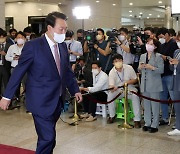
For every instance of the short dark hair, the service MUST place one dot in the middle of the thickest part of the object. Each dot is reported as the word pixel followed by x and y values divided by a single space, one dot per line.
pixel 3 33
pixel 12 30
pixel 97 62
pixel 122 29
pixel 21 33
pixel 28 30
pixel 100 29
pixel 69 33
pixel 172 32
pixel 51 18
pixel 163 31
pixel 150 29
pixel 117 56
pixel 80 31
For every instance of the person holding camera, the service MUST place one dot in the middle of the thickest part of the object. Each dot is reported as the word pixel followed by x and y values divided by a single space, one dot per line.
pixel 74 47
pixel 167 52
pixel 123 46
pixel 151 66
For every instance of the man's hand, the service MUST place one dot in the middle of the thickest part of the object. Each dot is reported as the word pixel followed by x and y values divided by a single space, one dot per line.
pixel 174 61
pixel 4 104
pixel 95 46
pixel 78 97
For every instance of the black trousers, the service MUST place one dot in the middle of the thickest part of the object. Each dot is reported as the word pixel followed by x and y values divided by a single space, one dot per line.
pixel 46 130
pixel 4 78
pixel 89 105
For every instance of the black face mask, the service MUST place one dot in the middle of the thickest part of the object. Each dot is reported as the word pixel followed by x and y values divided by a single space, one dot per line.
pixel 80 38
pixel 13 37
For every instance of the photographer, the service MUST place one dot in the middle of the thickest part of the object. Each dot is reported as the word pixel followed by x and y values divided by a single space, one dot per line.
pixel 101 51
pixel 74 47
pixel 123 46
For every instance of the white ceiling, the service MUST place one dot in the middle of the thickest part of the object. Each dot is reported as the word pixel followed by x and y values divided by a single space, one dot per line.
pixel 149 8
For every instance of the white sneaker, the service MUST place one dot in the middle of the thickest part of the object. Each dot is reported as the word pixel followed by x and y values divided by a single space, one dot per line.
pixel 86 115
pixel 174 132
pixel 91 118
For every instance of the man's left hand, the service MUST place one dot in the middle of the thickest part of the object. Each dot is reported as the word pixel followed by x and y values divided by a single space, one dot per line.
pixel 78 97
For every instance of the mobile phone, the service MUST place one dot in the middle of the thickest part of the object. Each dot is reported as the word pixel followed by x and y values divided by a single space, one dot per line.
pixel 168 58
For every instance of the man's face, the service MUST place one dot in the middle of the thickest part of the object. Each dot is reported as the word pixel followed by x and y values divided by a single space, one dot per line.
pixel 148 32
pixel 81 62
pixel 117 60
pixel 13 34
pixel 79 34
pixel 2 39
pixel 19 36
pixel 123 33
pixel 60 27
pixel 99 36
pixel 95 66
pixel 167 37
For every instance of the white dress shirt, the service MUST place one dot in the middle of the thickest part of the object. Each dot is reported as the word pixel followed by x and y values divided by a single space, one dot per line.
pixel 117 78
pixel 100 82
pixel 12 52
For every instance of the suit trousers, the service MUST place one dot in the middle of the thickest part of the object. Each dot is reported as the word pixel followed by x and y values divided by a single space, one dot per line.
pixel 3 78
pixel 177 109
pixel 135 104
pixel 46 130
pixel 151 110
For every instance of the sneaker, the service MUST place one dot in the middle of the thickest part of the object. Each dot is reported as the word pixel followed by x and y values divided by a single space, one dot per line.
pixel 91 118
pixel 173 127
pixel 86 115
pixel 174 132
pixel 137 124
pixel 162 122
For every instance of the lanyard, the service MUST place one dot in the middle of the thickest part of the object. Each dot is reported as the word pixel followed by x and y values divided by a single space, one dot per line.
pixel 121 79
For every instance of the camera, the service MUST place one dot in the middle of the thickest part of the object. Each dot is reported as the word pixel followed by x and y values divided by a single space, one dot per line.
pixel 139 34
pixel 90 37
pixel 112 35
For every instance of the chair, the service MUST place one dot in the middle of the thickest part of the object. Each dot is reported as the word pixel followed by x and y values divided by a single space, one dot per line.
pixel 120 109
pixel 101 109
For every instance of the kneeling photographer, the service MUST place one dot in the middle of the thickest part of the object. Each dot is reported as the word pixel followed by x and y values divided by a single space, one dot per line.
pixel 100 51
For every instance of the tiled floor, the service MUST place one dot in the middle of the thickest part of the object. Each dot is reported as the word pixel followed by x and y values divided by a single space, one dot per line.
pixel 17 129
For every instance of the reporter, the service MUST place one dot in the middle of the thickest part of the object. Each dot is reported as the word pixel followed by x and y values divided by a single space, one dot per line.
pixel 151 66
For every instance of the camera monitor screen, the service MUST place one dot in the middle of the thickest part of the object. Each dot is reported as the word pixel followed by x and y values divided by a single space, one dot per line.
pixel 175 7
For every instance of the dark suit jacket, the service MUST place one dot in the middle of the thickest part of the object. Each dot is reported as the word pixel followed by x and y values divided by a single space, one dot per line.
pixel 44 84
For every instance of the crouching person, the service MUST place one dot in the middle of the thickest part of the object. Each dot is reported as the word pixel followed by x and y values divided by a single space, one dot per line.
pixel 120 74
pixel 100 82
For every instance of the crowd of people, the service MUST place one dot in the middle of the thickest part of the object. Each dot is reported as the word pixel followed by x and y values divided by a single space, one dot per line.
pixel 153 53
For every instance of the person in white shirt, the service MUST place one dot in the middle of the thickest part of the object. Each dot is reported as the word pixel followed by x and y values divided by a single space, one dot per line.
pixel 120 74
pixel 74 47
pixel 14 51
pixel 100 82
pixel 123 47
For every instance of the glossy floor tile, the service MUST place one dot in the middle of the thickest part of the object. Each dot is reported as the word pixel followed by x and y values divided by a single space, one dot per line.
pixel 98 137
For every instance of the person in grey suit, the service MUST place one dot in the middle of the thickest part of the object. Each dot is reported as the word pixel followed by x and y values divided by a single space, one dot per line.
pixel 151 66
pixel 176 88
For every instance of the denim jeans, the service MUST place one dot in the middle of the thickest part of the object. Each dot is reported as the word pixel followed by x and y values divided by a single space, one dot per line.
pixel 164 95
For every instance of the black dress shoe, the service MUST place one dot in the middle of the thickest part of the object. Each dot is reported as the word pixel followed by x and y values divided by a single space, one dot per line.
pixel 162 122
pixel 145 128
pixel 153 130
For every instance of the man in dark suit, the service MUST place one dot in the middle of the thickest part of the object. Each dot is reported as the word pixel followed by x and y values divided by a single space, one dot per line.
pixel 46 62
pixel 5 66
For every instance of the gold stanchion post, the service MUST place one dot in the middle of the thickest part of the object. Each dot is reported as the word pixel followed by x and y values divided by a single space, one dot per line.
pixel 75 116
pixel 125 125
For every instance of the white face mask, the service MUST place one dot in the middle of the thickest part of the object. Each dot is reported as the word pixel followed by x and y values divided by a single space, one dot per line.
pixel 28 38
pixel 59 38
pixel 178 44
pixel 68 41
pixel 95 72
pixel 20 41
pixel 99 37
pixel 149 48
pixel 162 40
pixel 121 37
pixel 118 64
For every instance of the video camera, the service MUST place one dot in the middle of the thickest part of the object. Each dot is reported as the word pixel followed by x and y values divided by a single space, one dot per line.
pixel 139 34
pixel 112 38
pixel 90 37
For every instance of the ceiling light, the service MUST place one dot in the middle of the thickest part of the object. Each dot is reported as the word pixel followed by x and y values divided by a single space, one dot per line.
pixel 82 12
pixel 147 17
pixel 130 3
pixel 39 9
pixel 59 3
pixel 140 13
pixel 19 2
pixel 158 16
pixel 114 4
pixel 130 15
pixel 97 1
pixel 139 16
pixel 160 2
pixel 150 14
pixel 130 11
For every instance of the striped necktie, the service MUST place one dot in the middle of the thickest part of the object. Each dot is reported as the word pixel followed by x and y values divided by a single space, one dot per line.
pixel 57 57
